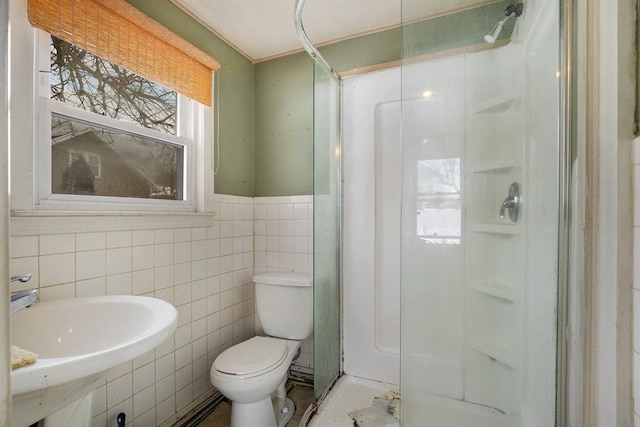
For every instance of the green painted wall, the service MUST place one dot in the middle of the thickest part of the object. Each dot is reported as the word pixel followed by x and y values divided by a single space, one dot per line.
pixel 284 90
pixel 266 109
pixel 235 91
pixel 457 30
pixel 284 126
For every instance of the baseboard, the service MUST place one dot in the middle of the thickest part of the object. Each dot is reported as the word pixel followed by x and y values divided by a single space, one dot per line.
pixel 201 411
pixel 301 376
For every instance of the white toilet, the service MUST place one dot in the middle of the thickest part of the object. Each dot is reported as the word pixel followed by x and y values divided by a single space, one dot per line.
pixel 253 374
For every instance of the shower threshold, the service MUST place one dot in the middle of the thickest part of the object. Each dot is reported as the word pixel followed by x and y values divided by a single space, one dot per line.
pixel 419 409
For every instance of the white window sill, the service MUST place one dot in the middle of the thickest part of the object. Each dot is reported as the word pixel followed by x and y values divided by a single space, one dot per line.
pixel 25 223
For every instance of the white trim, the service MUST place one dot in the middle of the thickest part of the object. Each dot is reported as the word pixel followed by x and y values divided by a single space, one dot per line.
pixel 43 58
pixel 610 98
pixel 111 123
pixel 27 224
pixel 5 375
pixel 205 141
pixel 47 200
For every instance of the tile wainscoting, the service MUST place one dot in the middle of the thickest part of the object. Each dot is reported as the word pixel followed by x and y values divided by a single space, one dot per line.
pixel 204 270
pixel 201 264
pixel 284 242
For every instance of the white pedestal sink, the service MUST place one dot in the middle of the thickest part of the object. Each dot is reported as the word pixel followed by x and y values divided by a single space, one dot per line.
pixel 77 341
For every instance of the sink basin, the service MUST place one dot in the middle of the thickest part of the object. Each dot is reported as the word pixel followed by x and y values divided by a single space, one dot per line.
pixel 76 341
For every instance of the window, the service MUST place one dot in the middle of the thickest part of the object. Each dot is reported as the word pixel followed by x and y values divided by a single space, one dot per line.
pixel 86 81
pixel 110 136
pixel 134 166
pixel 439 213
pixel 56 98
pixel 92 161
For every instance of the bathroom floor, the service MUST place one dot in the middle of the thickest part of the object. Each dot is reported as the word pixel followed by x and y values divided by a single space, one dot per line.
pixel 349 394
pixel 301 394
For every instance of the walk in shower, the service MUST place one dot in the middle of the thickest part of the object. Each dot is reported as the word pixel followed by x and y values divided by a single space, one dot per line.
pixel 444 170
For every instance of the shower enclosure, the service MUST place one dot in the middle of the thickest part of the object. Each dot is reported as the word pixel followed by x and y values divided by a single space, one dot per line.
pixel 451 217
pixel 479 252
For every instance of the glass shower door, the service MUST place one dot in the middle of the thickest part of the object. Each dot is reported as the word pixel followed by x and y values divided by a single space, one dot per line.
pixel 326 230
pixel 480 203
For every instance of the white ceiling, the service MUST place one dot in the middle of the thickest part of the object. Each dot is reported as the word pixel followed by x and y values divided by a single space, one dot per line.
pixel 261 29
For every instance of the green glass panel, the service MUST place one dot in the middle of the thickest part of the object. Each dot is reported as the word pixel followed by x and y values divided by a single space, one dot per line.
pixel 326 230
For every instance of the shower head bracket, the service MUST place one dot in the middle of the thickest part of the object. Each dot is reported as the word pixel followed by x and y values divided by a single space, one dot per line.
pixel 514 9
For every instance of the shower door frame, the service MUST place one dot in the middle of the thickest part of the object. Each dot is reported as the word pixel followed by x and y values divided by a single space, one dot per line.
pixel 600 353
pixel 567 59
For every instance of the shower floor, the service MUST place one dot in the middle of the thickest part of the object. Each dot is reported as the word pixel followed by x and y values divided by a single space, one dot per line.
pixel 428 410
pixel 424 410
pixel 349 394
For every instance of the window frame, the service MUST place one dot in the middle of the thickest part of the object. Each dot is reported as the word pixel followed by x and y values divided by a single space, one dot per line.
pixel 74 154
pixel 192 119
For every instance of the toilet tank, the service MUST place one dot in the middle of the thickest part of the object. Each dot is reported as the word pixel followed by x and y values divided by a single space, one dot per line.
pixel 284 303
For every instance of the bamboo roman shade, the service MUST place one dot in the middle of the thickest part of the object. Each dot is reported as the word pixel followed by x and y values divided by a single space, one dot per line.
pixel 120 33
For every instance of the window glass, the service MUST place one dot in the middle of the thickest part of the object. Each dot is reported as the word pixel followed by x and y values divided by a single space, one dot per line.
pixel 83 80
pixel 94 160
pixel 438 210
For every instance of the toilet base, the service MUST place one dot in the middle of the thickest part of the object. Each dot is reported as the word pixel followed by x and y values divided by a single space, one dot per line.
pixel 268 412
pixel 284 410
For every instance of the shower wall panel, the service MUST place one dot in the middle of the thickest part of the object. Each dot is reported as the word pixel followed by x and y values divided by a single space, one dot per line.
pixel 371 217
pixel 495 256
pixel 433 235
pixel 372 172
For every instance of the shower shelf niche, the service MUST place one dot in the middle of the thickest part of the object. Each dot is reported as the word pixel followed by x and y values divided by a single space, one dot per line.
pixel 495 290
pixel 495 228
pixel 495 350
pixel 497 165
pixel 510 101
pixel 496 150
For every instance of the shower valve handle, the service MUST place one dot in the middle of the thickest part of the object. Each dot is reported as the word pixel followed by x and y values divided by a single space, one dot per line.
pixel 512 203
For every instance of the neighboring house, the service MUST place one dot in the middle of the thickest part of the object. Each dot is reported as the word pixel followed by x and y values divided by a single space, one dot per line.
pixel 114 175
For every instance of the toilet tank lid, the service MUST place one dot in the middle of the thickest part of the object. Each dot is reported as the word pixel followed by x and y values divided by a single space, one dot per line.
pixel 285 278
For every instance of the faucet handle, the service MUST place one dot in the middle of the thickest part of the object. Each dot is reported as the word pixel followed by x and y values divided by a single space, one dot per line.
pixel 22 278
pixel 512 203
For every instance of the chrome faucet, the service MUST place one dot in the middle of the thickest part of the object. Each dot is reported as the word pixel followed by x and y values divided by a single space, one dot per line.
pixel 23 278
pixel 508 203
pixel 512 203
pixel 23 299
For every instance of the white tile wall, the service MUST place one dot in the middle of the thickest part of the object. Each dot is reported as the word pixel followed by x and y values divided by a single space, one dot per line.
pixel 283 231
pixel 205 272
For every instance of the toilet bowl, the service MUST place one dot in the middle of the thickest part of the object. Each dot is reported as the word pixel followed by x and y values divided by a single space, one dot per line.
pixel 256 390
pixel 253 374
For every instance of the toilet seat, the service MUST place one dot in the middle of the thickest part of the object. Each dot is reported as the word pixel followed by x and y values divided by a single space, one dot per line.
pixel 252 357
